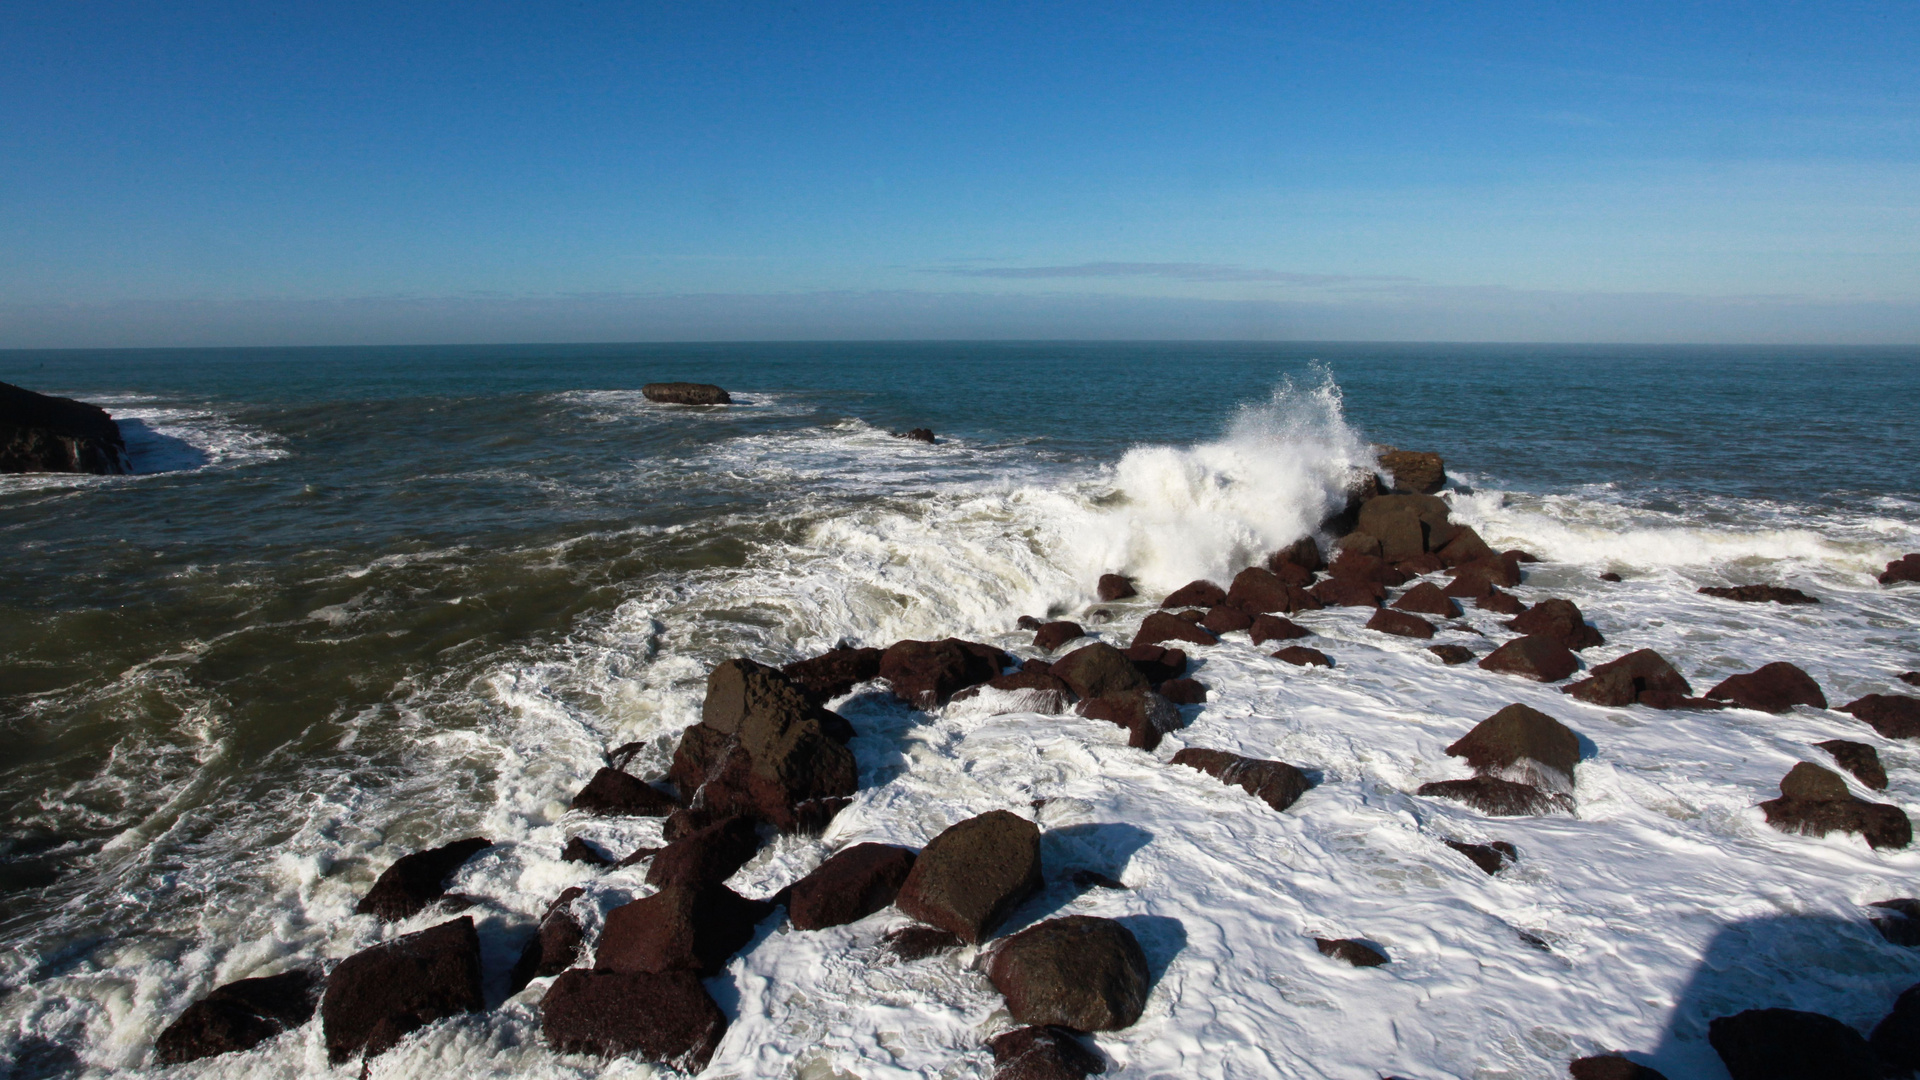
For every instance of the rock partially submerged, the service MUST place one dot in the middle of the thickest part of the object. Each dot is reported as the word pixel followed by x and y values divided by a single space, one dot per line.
pixel 692 928
pixel 1358 953
pixel 554 946
pixel 239 1016
pixel 615 793
pixel 415 881
pixel 1303 656
pixel 1524 745
pixel 764 750
pixel 1496 797
pixel 919 434
pixel 1560 620
pixel 833 674
pixel 851 885
pixel 1774 688
pixel 1611 1067
pixel 686 393
pixel 1164 626
pixel 1276 783
pixel 1904 568
pixel 1894 716
pixel 666 1016
pixel 1858 758
pixel 1491 858
pixel 1779 1044
pixel 1542 659
pixel 1042 1053
pixel 925 674
pixel 40 433
pixel 1078 972
pixel 1642 676
pixel 1815 801
pixel 1399 624
pixel 378 996
pixel 968 878
pixel 1760 594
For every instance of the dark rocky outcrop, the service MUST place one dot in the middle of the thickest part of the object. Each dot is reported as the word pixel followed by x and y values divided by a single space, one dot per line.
pixel 378 996
pixel 1225 619
pixel 579 850
pixel 1183 691
pixel 1303 553
pixel 1265 628
pixel 694 928
pixel 686 393
pixel 1611 1067
pixel 1894 716
pixel 1156 663
pixel 1497 797
pixel 1115 587
pixel 415 881
pixel 851 885
pixel 1897 1037
pixel 1031 690
pixel 1042 1053
pixel 1302 656
pixel 1760 594
pixel 1522 744
pixel 1451 654
pixel 1481 576
pixel 1787 1044
pixel 666 1016
pixel 927 673
pixel 1099 669
pixel 972 875
pixel 1358 953
pixel 1276 783
pixel 40 433
pixel 1145 715
pixel 1491 858
pixel 554 946
pixel 1560 620
pixel 1465 547
pixel 764 750
pixel 1500 603
pixel 1200 594
pixel 1427 599
pixel 1774 688
pixel 1858 758
pixel 1911 678
pixel 830 675
pixel 1078 972
pixel 1258 591
pixel 710 853
pixel 1898 921
pixel 1622 682
pixel 1815 801
pixel 1541 659
pixel 1904 568
pixel 1052 635
pixel 1166 626
pixel 239 1016
pixel 1413 470
pixel 1351 565
pixel 615 793
pixel 919 434
pixel 1612 577
pixel 1400 624
pixel 912 943
pixel 1348 592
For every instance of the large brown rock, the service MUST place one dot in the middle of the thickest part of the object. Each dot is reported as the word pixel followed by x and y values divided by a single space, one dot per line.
pixel 1541 659
pixel 1492 795
pixel 763 749
pixel 1427 599
pixel 1894 716
pixel 1226 619
pixel 1349 592
pixel 1560 620
pixel 1522 744
pixel 707 854
pixel 1277 783
pixel 1258 591
pixel 1166 626
pixel 1815 801
pixel 686 393
pixel 927 673
pixel 1115 587
pixel 1774 688
pixel 1481 576
pixel 1358 953
pixel 851 885
pixel 1145 715
pixel 667 1017
pixel 1302 656
pixel 1761 594
pixel 1052 635
pixel 239 1016
pixel 1491 858
pixel 1265 628
pixel 415 881
pixel 1858 758
pixel 1042 1053
pixel 1357 566
pixel 693 928
pixel 1156 663
pixel 1621 682
pixel 1465 547
pixel 1786 1044
pixel 1098 669
pixel 378 996
pixel 971 876
pixel 1078 972
pixel 1414 471
pixel 1201 594
pixel 554 946
pixel 1303 553
pixel 615 793
pixel 833 674
pixel 1904 568
pixel 40 433
pixel 1400 624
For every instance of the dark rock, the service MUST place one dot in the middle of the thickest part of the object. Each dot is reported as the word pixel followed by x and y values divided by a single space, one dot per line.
pixel 1225 619
pixel 1355 566
pixel 1560 620
pixel 1357 543
pixel 1897 1037
pixel 709 854
pixel 919 942
pixel 1621 682
pixel 1201 594
pixel 1418 565
pixel 1898 921
pixel 1157 664
pixel 638 856
pixel 667 1017
pixel 1262 592
pixel 763 749
pixel 1093 879
pixel 1892 715
pixel 1497 797
pixel 1277 783
pixel 1396 524
pixel 1427 599
pixel 1190 616
pixel 415 881
pixel 1163 626
pixel 614 793
pixel 833 674
pixel 1414 471
pixel 1465 547
pixel 1489 857
pixel 1904 568
pixel 1525 741
pixel 1911 678
pixel 1267 628
pixel 1400 624
pixel 1028 622
pixel 41 433
pixel 1815 801
pixel 1774 688
pixel 1515 555
pixel 1612 577
pixel 693 928
pixel 1183 691
pixel 1303 656
pixel 1786 1044
pixel 1032 691
pixel 1055 634
pixel 578 850
pixel 1349 592
pixel 239 1016
pixel 969 877
pixel 1482 576
pixel 1042 1053
pixel 686 393
pixel 1115 587
pixel 1357 953
pixel 1303 553
pixel 1451 654
pixel 927 673
pixel 1146 715
pixel 1500 603
pixel 1079 972
pixel 378 996
pixel 1098 669
pixel 554 946
pixel 1859 759
pixel 918 434
pixel 1541 659
pixel 851 885
pixel 1760 594
pixel 1611 1067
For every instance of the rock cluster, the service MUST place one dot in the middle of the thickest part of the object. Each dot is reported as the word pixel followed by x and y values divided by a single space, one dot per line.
pixel 686 393
pixel 1815 801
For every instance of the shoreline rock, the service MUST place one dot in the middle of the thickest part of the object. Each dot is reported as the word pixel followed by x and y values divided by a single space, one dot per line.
pixel 41 433
pixel 686 393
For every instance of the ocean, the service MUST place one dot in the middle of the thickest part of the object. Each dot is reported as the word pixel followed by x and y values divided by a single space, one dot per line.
pixel 356 602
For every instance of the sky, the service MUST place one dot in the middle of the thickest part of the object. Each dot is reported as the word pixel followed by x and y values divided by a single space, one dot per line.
pixel 346 173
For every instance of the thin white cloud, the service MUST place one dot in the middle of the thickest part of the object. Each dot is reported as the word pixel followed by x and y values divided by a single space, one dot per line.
pixel 1171 271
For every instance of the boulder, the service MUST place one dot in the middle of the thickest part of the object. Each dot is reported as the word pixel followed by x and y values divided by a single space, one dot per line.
pixel 1165 626
pixel 1226 619
pixel 1042 1053
pixel 378 996
pixel 1355 566
pixel 1541 659
pixel 1277 783
pixel 1560 620
pixel 919 434
pixel 852 885
pixel 686 393
pixel 968 878
pixel 1465 547
pixel 1257 591
pixel 1451 654
pixel 1815 801
pixel 1303 553
pixel 615 793
pixel 1861 760
pixel 1911 678
pixel 694 928
pixel 1034 690
pixel 927 673
pixel 1611 1067
pixel 415 881
pixel 1892 715
pixel 1479 577
pixel 1265 628
pixel 910 943
pixel 1400 624
pixel 1078 972
pixel 1418 565
pixel 1302 656
pixel 1774 688
pixel 1500 603
pixel 708 854
pixel 1491 858
pixel 1098 669
pixel 1414 471
pixel 1202 594
pixel 1349 592
pixel 1399 529
pixel 833 674
pixel 1621 682
pixel 554 946
pixel 1904 568
pixel 1897 1037
pixel 1523 744
pixel 1898 921
pixel 1156 663
pixel 40 433
pixel 1357 543
pixel 1357 953
pixel 1055 634
pixel 239 1016
pixel 666 1017
pixel 1144 714
pixel 1115 587
pixel 1761 594
pixel 764 750
pixel 1786 1044
pixel 580 851
pixel 1497 797
pixel 1427 599
pixel 1183 691
pixel 1515 555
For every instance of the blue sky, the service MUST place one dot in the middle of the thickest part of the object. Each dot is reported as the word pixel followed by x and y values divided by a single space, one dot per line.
pixel 340 173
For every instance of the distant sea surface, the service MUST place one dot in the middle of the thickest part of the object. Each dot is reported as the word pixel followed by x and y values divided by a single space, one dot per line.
pixel 358 601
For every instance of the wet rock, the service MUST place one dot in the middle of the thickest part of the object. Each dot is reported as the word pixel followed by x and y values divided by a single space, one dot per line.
pixel 1541 659
pixel 1265 628
pixel 378 996
pixel 1892 715
pixel 1190 616
pixel 1761 594
pixel 1357 543
pixel 1357 953
pixel 1522 744
pixel 1055 634
pixel 666 1017
pixel 415 881
pixel 554 946
pixel 1079 972
pixel 1098 669
pixel 1465 547
pixel 1774 688
pixel 919 434
pixel 1491 858
pixel 927 673
pixel 1611 1067
pixel 912 943
pixel 1042 1053
pixel 1515 555
pixel 1093 879
pixel 1494 796
pixel 833 674
pixel 764 750
pixel 1609 576
pixel 1163 626
pixel 1144 714
pixel 1302 656
pixel 1115 587
pixel 851 885
pixel 1861 760
pixel 580 851
pixel 686 393
pixel 1349 592
pixel 239 1016
pixel 40 433
pixel 1898 921
pixel 1500 603
pixel 1400 624
pixel 1028 622
pixel 1183 691
pixel 615 793
pixel 1427 599
pixel 1560 620
pixel 1904 568
pixel 1911 678
pixel 1815 801
pixel 1226 619
pixel 708 854
pixel 1451 654
pixel 1897 1037
pixel 1419 565
pixel 1621 682
pixel 1277 783
pixel 1355 566
pixel 1480 577
pixel 1200 594
pixel 1030 690
pixel 968 878
pixel 1414 471
pixel 1261 592
pixel 1157 664
pixel 1303 553
pixel 1786 1044
pixel 694 928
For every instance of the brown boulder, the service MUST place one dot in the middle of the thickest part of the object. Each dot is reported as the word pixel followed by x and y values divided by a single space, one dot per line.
pixel 1414 470
pixel 1786 1044
pixel 711 853
pixel 927 673
pixel 1560 620
pixel 1400 624
pixel 1144 714
pixel 1183 691
pixel 1479 577
pixel 1521 740
pixel 1904 568
pixel 1491 858
pixel 415 881
pixel 1257 591
pixel 1815 801
pixel 1465 547
pixel 1497 797
pixel 1277 783
pixel 1621 682
pixel 1451 654
pixel 1202 594
pixel 1226 619
pixel 972 875
pixel 1042 1053
pixel 1355 566
pixel 1302 656
pixel 1399 530
pixel 1427 599
pixel 1541 659
pixel 1894 716
pixel 693 928
pixel 1164 626
pixel 1078 972
pixel 1115 587
pixel 833 674
pixel 1357 953
pixel 1033 690
pixel 851 885
pixel 1267 628
pixel 378 996
pixel 1861 760
pixel 1500 603
pixel 686 393
pixel 763 749
pixel 1156 663
pixel 1349 592
pixel 239 1016
pixel 1303 553
pixel 1055 634
pixel 554 946
pixel 667 1017
pixel 1098 669
pixel 1911 678
pixel 1418 565
pixel 1774 688
pixel 1761 594
pixel 615 793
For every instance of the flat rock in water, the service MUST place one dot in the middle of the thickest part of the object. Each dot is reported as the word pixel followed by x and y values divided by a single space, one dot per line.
pixel 1098 669
pixel 40 433
pixel 1225 619
pixel 1496 797
pixel 851 885
pixel 1786 1044
pixel 1265 628
pixel 239 1016
pixel 1774 688
pixel 1815 801
pixel 919 434
pixel 686 393
pixel 968 878
pixel 1524 740
pixel 1052 635
pixel 1611 1067
pixel 666 1016
pixel 1201 594
pixel 1911 678
pixel 1042 1052
pixel 415 881
pixel 554 946
pixel 1079 972
pixel 1302 656
pixel 1165 626
pixel 1858 758
pixel 1277 783
pixel 1541 659
pixel 1451 654
pixel 613 793
pixel 1560 620
pixel 1400 624
pixel 1115 587
pixel 378 996
pixel 1760 594
pixel 832 674
pixel 1146 715
pixel 1894 716
pixel 580 851
pixel 694 928
pixel 927 673
pixel 1489 857
pixel 1357 953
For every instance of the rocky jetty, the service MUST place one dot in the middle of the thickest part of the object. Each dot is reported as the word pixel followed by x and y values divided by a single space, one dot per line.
pixel 40 433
